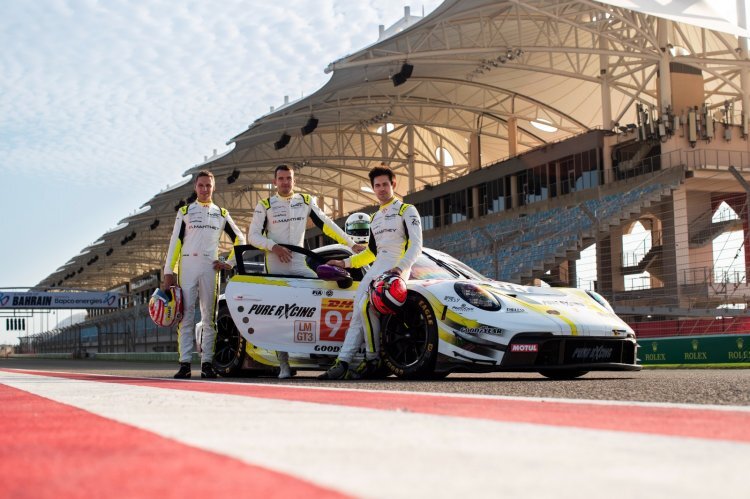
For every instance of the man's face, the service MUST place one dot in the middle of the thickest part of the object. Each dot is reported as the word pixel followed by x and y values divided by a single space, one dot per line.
pixel 383 188
pixel 204 188
pixel 284 182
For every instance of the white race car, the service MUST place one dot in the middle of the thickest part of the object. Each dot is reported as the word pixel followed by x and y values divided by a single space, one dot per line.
pixel 454 320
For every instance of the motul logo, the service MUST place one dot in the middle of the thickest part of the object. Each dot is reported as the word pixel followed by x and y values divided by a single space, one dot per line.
pixel 524 347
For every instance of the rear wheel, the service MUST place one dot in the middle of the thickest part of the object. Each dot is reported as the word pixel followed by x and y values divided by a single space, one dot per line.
pixel 230 345
pixel 561 374
pixel 410 340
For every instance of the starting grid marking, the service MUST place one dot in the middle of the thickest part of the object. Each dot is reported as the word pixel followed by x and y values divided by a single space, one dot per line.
pixel 396 444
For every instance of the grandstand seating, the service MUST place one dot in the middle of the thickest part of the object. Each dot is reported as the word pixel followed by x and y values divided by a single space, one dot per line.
pixel 527 244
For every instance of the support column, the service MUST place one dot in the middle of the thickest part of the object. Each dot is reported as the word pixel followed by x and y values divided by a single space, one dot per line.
pixel 384 142
pixel 742 20
pixel 664 27
pixel 475 152
pixel 604 79
pixel 410 167
pixel 441 161
pixel 675 237
pixel 512 136
pixel 615 259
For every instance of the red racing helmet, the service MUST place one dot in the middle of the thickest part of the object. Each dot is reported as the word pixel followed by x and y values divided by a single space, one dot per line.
pixel 388 293
pixel 165 308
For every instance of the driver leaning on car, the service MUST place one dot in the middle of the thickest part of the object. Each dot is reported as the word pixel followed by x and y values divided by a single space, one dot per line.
pixel 395 243
pixel 282 219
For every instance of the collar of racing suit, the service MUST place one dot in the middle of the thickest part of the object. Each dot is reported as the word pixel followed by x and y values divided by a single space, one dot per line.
pixel 386 205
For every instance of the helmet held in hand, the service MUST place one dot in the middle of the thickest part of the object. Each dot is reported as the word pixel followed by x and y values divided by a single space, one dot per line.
pixel 165 308
pixel 388 293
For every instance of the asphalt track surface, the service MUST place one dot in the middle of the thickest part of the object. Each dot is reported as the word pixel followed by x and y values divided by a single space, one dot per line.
pixel 89 428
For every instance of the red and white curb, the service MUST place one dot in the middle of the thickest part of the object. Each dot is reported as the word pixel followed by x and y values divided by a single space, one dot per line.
pixel 77 435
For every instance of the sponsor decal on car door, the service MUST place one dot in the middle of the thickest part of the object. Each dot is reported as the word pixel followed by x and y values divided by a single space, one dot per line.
pixel 295 317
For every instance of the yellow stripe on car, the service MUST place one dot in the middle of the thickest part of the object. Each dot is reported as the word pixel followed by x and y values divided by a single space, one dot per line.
pixel 545 310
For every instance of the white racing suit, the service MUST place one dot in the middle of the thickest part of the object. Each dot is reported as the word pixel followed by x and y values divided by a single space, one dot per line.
pixel 283 220
pixel 193 248
pixel 395 241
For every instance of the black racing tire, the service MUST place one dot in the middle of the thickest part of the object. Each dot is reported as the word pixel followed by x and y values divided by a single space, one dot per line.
pixel 229 354
pixel 562 374
pixel 409 339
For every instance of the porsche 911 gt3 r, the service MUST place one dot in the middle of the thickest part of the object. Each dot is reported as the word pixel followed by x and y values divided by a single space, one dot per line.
pixel 454 320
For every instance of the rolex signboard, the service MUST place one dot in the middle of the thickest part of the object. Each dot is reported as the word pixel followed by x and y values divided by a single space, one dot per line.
pixel 715 349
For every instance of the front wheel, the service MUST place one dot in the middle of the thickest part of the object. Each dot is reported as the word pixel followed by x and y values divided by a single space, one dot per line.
pixel 229 355
pixel 561 374
pixel 410 339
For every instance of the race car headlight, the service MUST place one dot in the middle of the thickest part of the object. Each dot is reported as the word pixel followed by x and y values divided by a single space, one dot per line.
pixel 601 300
pixel 477 296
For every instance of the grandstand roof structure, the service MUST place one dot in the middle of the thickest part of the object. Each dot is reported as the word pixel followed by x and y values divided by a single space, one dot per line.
pixel 479 81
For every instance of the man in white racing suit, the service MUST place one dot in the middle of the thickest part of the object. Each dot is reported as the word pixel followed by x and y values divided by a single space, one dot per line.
pixel 194 250
pixel 282 219
pixel 394 245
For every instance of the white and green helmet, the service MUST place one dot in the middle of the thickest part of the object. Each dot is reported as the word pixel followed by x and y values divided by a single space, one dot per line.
pixel 358 227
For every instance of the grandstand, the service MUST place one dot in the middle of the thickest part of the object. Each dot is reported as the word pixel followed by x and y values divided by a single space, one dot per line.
pixel 527 134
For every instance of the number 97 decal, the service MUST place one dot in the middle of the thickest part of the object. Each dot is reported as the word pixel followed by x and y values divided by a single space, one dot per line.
pixel 335 316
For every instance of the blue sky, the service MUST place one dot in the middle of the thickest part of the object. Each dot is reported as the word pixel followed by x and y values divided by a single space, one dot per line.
pixel 105 103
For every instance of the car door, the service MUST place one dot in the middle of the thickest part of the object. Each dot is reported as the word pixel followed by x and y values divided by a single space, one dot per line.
pixel 292 314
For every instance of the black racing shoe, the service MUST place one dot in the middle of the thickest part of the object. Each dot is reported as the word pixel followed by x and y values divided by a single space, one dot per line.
pixel 184 372
pixel 337 371
pixel 365 370
pixel 207 370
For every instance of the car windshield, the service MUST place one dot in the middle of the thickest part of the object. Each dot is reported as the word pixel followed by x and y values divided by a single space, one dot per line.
pixel 447 267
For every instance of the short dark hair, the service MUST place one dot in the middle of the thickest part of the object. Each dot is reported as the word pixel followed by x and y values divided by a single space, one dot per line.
pixel 283 167
pixel 378 171
pixel 204 173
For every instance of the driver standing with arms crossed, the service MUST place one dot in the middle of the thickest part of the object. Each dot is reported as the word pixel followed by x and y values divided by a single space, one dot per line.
pixel 282 219
pixel 395 243
pixel 195 246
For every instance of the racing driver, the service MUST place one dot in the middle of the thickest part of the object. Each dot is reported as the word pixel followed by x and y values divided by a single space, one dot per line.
pixel 394 245
pixel 194 249
pixel 282 219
